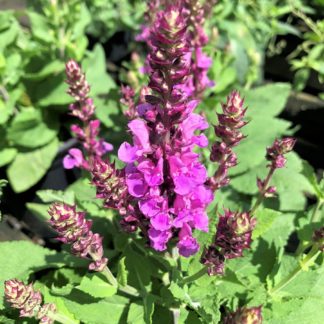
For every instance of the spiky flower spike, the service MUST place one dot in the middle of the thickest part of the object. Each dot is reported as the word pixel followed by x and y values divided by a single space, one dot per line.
pixel 73 228
pixel 83 109
pixel 28 301
pixel 228 131
pixel 164 177
pixel 233 235
pixel 245 315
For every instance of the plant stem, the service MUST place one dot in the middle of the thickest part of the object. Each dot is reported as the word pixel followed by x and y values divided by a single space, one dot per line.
pixel 61 318
pixel 263 191
pixel 125 289
pixel 110 277
pixel 195 276
pixel 315 214
pixel 309 259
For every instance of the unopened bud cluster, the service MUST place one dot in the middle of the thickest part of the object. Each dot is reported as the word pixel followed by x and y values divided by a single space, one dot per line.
pixel 318 237
pixel 244 315
pixel 73 228
pixel 233 235
pixel 228 131
pixel 275 155
pixel 276 152
pixel 28 301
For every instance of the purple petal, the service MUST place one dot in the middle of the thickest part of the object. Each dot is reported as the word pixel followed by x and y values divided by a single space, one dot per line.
pixel 127 153
pixel 136 185
pixel 161 222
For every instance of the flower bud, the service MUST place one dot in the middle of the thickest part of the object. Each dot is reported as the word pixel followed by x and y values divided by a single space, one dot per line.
pixel 245 315
pixel 78 86
pixel 318 237
pixel 69 224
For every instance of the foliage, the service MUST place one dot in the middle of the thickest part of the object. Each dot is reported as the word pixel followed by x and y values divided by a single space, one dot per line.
pixel 282 271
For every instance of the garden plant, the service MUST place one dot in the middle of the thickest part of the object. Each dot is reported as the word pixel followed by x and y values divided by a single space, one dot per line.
pixel 197 214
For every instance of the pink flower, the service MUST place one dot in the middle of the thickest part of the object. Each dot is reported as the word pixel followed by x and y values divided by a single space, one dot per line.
pixel 73 159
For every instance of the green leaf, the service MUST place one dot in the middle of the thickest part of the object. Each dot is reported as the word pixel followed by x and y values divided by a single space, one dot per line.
pixel 310 175
pixel 5 112
pixel 265 218
pixel 53 67
pixel 268 100
pixel 20 258
pixel 295 310
pixel 135 314
pixel 40 27
pixel 97 312
pixel 29 167
pixel 48 196
pixel 122 272
pixel 95 69
pixel 261 132
pixel 28 129
pixel 148 301
pixel 39 210
pixel 96 285
pixel 7 155
pixel 52 91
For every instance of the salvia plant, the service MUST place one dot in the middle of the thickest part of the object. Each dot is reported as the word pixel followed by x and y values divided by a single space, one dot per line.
pixel 175 253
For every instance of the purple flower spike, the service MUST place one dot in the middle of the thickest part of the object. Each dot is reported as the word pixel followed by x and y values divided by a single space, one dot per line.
pixel 244 315
pixel 83 109
pixel 233 235
pixel 28 301
pixel 228 130
pixel 166 192
pixel 73 228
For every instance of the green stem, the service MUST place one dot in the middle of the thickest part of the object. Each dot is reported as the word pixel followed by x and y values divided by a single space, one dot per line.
pixel 263 191
pixel 61 318
pixel 195 276
pixel 316 213
pixel 125 289
pixel 110 277
pixel 309 259
pixel 129 290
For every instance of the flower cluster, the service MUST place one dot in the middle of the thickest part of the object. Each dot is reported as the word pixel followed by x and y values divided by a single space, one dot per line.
pixel 228 130
pixel 28 301
pixel 276 152
pixel 275 155
pixel 83 109
pixel 233 235
pixel 73 228
pixel 244 315
pixel 200 62
pixel 194 15
pixel 164 176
